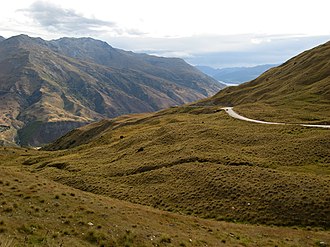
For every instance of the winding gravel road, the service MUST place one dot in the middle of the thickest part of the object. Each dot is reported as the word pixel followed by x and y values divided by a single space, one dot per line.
pixel 232 113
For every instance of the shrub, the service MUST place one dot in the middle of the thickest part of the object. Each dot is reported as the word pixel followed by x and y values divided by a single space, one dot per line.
pixel 165 239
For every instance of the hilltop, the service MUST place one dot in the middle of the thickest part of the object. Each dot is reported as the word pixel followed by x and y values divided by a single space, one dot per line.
pixel 297 91
pixel 50 87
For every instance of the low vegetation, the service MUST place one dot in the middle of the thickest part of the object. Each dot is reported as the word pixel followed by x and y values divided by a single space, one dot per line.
pixel 199 161
pixel 297 91
pixel 38 212
pixel 256 185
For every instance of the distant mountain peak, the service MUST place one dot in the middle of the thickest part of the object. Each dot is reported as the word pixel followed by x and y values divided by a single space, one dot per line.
pixel 82 40
pixel 49 87
pixel 236 75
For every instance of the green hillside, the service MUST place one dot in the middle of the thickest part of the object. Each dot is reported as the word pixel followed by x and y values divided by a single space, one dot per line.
pixel 296 91
pixel 185 176
pixel 197 160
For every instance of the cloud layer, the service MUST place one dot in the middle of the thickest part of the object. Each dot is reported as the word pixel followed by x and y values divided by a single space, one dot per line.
pixel 223 51
pixel 50 20
pixel 67 21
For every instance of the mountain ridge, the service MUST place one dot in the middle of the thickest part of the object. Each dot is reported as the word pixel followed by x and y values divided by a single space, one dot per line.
pixel 189 160
pixel 77 81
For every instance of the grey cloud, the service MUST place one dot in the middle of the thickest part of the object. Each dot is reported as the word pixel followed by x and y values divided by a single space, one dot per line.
pixel 223 51
pixel 67 21
pixel 242 52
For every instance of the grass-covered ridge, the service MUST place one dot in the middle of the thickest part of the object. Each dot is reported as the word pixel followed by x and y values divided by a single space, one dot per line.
pixel 193 162
pixel 297 91
pixel 199 161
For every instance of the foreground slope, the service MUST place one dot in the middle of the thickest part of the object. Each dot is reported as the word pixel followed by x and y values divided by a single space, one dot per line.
pixel 296 91
pixel 50 87
pixel 39 212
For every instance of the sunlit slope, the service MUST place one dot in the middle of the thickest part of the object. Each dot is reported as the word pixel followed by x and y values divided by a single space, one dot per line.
pixel 198 160
pixel 297 91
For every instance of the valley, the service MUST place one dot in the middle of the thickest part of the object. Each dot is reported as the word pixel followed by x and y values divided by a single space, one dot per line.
pixel 270 181
pixel 48 88
pixel 188 175
pixel 236 75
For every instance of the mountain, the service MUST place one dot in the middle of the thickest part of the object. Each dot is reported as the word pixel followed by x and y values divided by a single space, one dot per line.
pixel 207 69
pixel 297 91
pixel 50 87
pixel 193 161
pixel 1 38
pixel 235 75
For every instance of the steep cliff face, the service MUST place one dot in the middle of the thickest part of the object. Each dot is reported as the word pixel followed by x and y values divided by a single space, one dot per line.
pixel 83 80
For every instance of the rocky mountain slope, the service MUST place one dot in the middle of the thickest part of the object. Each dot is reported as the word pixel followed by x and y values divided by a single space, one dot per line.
pixel 298 90
pixel 50 87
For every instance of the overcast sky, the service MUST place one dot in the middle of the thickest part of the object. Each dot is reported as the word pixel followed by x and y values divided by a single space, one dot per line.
pixel 219 33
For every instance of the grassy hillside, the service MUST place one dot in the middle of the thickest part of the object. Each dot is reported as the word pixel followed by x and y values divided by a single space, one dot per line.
pixel 199 161
pixel 297 91
pixel 193 162
pixel 39 212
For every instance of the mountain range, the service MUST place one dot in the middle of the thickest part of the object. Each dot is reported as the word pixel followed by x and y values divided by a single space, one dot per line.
pixel 148 179
pixel 50 87
pixel 235 75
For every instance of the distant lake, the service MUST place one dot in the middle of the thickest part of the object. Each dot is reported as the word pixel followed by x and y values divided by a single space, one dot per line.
pixel 229 84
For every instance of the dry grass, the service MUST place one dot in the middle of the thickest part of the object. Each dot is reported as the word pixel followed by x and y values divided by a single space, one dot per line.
pixel 199 161
pixel 39 212
pixel 298 91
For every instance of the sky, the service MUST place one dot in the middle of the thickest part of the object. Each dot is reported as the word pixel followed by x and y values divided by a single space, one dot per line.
pixel 217 33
